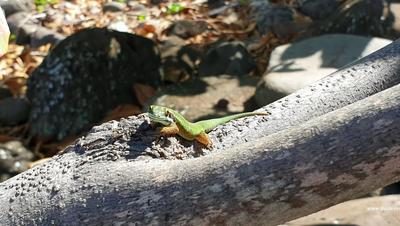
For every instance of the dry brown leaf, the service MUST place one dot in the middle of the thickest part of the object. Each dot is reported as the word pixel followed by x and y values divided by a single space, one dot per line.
pixel 122 111
pixel 145 29
pixel 29 68
pixel 6 138
pixel 17 85
pixel 143 92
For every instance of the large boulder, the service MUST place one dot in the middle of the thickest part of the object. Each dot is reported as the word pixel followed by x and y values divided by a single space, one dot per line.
pixel 294 66
pixel 86 75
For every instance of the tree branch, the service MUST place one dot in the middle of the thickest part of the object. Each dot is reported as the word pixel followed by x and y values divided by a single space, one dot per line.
pixel 108 178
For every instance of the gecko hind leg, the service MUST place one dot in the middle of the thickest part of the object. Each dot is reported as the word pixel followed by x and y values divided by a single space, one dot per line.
pixel 168 131
pixel 204 139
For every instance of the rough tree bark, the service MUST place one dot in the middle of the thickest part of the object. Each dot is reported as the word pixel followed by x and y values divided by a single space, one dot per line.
pixel 285 172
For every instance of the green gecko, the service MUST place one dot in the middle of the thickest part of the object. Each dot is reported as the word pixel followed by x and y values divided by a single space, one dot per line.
pixel 174 123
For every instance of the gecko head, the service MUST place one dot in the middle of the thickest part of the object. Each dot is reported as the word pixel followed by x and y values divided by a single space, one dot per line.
pixel 159 114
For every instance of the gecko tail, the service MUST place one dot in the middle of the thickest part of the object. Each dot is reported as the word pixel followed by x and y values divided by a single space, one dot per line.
pixel 210 124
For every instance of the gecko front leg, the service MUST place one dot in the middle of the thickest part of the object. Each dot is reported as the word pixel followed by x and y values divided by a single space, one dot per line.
pixel 170 130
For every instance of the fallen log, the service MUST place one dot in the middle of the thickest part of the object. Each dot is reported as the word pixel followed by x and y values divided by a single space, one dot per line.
pixel 108 177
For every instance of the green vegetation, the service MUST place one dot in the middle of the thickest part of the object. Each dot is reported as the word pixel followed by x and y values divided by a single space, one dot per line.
pixel 40 4
pixel 13 37
pixel 244 2
pixel 141 18
pixel 175 8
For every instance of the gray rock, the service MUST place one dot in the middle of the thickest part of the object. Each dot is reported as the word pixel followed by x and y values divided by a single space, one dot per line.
pixel 137 8
pixel 13 6
pixel 187 28
pixel 294 66
pixel 114 7
pixel 274 18
pixel 80 80
pixel 178 59
pixel 230 58
pixel 156 2
pixel 13 111
pixel 318 9
pixel 17 20
pixel 14 159
pixel 216 9
pixel 209 97
pixel 394 31
pixel 16 148
pixel 4 92
pixel 214 4
pixel 40 36
pixel 30 32
pixel 119 25
pixel 359 17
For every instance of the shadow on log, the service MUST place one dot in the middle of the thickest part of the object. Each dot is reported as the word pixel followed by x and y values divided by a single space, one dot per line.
pixel 333 141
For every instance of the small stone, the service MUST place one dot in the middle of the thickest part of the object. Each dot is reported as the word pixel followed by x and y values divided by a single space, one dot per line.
pixel 137 8
pixel 318 9
pixel 13 111
pixel 16 20
pixel 179 60
pixel 156 2
pixel 230 58
pixel 214 4
pixel 4 92
pixel 13 6
pixel 14 159
pixel 270 17
pixel 395 27
pixel 29 32
pixel 43 36
pixel 114 7
pixel 119 26
pixel 187 28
